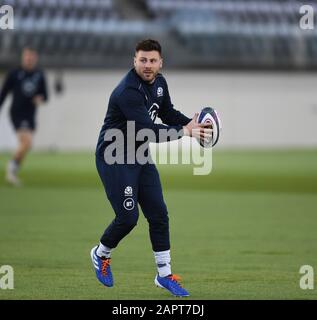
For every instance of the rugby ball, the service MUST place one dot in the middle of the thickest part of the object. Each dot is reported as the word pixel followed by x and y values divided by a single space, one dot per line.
pixel 209 115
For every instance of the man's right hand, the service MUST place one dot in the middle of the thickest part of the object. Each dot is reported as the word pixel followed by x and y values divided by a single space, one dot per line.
pixel 38 100
pixel 197 130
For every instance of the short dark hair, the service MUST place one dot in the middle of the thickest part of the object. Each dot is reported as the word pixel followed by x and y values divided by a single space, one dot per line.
pixel 29 48
pixel 149 45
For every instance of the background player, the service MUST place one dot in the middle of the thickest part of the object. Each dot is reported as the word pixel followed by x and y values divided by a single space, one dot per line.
pixel 27 84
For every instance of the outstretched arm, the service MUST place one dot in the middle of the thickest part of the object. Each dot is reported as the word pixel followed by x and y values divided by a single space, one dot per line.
pixel 168 114
pixel 191 127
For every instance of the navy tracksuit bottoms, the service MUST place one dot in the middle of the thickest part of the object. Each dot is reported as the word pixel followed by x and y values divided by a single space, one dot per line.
pixel 126 186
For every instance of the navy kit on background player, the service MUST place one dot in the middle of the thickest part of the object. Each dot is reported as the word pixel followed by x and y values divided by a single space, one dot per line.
pixel 28 87
pixel 140 97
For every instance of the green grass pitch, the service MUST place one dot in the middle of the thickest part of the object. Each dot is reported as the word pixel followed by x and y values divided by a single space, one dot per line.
pixel 242 232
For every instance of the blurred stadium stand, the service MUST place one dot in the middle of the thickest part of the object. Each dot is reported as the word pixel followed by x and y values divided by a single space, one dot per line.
pixel 200 33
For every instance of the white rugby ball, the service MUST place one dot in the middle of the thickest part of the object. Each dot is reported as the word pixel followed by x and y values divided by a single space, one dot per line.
pixel 209 115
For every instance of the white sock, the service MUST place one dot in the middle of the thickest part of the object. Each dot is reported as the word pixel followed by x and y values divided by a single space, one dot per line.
pixel 13 166
pixel 163 263
pixel 103 251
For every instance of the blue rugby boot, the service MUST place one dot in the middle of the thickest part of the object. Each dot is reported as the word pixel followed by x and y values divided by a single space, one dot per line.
pixel 171 283
pixel 102 268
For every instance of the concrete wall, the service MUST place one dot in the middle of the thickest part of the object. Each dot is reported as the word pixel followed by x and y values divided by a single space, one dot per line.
pixel 257 109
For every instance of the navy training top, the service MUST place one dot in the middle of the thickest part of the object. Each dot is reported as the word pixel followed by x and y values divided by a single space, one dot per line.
pixel 137 100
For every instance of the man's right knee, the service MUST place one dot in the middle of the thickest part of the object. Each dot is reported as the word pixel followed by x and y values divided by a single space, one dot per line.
pixel 25 139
